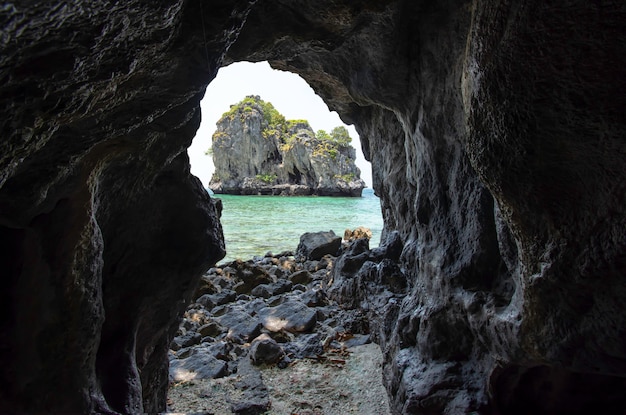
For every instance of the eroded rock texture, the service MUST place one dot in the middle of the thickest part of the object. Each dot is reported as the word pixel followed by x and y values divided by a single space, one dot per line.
pixel 104 230
pixel 496 135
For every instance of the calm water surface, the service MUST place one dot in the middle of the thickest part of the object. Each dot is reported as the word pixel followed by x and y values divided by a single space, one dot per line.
pixel 254 225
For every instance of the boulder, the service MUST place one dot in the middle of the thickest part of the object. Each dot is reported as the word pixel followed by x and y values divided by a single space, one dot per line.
pixel 314 245
pixel 241 325
pixel 291 315
pixel 200 365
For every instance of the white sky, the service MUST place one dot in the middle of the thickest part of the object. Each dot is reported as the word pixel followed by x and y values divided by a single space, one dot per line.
pixel 289 94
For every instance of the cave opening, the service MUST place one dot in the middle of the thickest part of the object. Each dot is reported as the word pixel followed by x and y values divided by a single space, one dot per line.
pixel 246 227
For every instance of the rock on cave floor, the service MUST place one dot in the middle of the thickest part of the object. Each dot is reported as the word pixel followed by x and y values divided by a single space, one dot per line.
pixel 262 337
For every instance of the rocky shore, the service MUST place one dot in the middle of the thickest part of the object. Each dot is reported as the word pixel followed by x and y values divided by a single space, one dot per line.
pixel 265 335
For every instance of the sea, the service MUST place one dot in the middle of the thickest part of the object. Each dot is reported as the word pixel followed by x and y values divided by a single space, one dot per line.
pixel 255 225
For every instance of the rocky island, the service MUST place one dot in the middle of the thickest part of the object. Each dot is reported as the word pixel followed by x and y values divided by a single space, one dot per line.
pixel 257 151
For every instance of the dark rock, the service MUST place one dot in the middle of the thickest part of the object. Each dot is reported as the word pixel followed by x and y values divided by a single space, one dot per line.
pixel 291 316
pixel 280 287
pixel 269 290
pixel 224 283
pixel 224 297
pixel 301 277
pixel 253 306
pixel 390 275
pixel 212 329
pixel 249 275
pixel 262 291
pixel 188 339
pixel 183 353
pixel 391 248
pixel 277 271
pixel 265 350
pixel 314 298
pixel 200 365
pixel 282 336
pixel 314 245
pixel 205 287
pixel 188 324
pixel 174 345
pixel 357 340
pixel 325 263
pixel 222 350
pixel 240 325
pixel 207 301
pixel 305 345
pixel 299 287
pixel 275 300
pixel 254 399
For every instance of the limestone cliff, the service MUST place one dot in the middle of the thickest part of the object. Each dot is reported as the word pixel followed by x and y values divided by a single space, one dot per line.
pixel 496 132
pixel 257 151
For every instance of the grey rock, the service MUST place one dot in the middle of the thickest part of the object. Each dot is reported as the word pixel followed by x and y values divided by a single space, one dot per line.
pixel 212 329
pixel 223 297
pixel 299 287
pixel 189 339
pixel 265 350
pixel 254 398
pixel 314 298
pixel 262 291
pixel 357 340
pixel 200 365
pixel 305 345
pixel 280 287
pixel 207 301
pixel 291 316
pixel 240 325
pixel 269 290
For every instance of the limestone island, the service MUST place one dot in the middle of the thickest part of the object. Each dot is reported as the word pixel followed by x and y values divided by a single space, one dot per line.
pixel 256 151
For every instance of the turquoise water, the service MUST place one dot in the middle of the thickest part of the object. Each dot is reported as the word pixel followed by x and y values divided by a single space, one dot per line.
pixel 254 225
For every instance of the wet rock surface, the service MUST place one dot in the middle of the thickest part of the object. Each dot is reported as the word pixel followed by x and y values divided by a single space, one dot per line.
pixel 254 331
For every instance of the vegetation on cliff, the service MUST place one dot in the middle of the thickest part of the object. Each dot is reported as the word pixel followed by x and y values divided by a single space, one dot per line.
pixel 257 151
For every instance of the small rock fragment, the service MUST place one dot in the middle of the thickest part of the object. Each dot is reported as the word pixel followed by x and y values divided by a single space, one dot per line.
pixel 265 350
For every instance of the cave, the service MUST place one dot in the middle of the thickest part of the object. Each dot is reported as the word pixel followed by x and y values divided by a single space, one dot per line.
pixel 495 130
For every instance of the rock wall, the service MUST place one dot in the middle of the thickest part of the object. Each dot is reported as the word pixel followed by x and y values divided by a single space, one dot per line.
pixel 495 131
pixel 254 153
pixel 104 231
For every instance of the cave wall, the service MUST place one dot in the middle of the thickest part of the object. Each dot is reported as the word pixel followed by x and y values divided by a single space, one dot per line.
pixel 495 131
pixel 104 230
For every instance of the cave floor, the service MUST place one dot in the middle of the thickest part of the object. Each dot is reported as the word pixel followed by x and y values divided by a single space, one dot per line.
pixel 304 387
